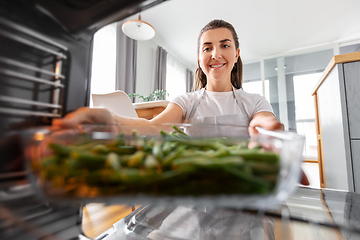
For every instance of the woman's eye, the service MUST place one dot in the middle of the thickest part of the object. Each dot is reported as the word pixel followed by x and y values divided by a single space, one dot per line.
pixel 225 46
pixel 207 49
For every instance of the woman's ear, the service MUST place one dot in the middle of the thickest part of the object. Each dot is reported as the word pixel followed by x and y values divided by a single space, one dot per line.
pixel 198 62
pixel 237 54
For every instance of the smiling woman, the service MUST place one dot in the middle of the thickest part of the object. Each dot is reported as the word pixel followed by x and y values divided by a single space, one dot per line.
pixel 218 58
pixel 218 39
pixel 220 99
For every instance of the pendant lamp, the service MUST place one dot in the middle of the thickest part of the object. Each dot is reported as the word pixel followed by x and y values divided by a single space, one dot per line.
pixel 138 30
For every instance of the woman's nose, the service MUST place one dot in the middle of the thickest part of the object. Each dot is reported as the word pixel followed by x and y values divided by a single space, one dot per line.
pixel 216 54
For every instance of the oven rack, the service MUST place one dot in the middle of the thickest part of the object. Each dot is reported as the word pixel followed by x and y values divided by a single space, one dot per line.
pixel 24 215
pixel 31 78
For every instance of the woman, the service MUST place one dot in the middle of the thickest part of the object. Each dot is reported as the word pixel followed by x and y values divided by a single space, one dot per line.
pixel 218 98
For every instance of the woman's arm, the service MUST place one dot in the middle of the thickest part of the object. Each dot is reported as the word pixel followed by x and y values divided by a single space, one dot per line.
pixel 172 114
pixel 85 115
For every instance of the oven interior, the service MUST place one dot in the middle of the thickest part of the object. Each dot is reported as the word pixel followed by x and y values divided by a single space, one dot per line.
pixel 45 59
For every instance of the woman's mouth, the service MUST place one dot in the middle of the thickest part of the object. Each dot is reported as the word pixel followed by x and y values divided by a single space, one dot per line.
pixel 217 65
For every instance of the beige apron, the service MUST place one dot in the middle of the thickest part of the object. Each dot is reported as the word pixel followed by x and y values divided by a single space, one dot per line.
pixel 231 125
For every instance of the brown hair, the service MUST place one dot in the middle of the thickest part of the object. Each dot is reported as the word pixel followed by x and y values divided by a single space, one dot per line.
pixel 236 72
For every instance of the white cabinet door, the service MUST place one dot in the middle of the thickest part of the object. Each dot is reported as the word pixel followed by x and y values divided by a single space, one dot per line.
pixel 334 128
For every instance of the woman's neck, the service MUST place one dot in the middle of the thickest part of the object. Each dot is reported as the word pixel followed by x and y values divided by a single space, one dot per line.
pixel 219 87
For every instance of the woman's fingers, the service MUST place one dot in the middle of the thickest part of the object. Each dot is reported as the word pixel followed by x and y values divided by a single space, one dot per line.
pixel 264 121
pixel 84 115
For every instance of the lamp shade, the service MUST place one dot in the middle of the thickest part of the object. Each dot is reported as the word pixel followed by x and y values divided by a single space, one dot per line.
pixel 138 30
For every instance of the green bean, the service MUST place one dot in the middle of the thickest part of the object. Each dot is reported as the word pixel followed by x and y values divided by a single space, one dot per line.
pixel 157 151
pixel 256 155
pixel 209 162
pixel 100 148
pixel 53 160
pixel 116 143
pixel 60 149
pixel 168 147
pixel 173 155
pixel 113 160
pixel 258 183
pixel 180 133
pixel 136 159
pixel 150 162
pixel 88 160
pixel 87 146
pixel 169 136
pixel 264 168
pixel 123 149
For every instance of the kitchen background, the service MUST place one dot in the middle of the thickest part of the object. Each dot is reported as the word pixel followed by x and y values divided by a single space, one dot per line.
pixel 285 47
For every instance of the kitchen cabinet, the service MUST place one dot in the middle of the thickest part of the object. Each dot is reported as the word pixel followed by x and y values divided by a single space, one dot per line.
pixel 337 105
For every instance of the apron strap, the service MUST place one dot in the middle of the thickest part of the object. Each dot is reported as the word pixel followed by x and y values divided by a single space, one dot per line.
pixel 195 105
pixel 240 103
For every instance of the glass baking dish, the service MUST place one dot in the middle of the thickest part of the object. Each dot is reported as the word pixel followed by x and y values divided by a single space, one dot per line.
pixel 165 164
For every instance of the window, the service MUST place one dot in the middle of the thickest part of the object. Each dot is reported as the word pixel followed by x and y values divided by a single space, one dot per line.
pixel 252 80
pixel 175 77
pixel 104 61
pixel 305 110
pixel 256 87
pixel 281 71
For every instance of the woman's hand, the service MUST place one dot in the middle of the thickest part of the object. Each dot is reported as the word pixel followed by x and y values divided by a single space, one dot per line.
pixel 264 120
pixel 85 115
pixel 268 121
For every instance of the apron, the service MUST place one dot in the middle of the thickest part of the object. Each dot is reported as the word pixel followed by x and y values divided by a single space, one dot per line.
pixel 231 125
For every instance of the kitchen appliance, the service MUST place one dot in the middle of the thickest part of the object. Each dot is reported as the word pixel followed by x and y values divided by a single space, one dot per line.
pixel 45 58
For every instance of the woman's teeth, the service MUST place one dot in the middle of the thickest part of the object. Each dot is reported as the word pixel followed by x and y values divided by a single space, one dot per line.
pixel 218 65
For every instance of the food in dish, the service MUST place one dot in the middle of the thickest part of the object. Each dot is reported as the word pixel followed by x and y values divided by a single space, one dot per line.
pixel 173 165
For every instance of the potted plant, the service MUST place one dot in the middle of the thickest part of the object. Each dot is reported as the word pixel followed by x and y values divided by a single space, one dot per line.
pixel 151 105
pixel 154 96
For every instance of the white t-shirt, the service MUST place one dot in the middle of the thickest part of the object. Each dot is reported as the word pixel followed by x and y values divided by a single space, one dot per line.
pixel 222 103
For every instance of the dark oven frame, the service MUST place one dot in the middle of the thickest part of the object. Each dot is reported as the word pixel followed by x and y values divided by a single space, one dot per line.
pixel 45 59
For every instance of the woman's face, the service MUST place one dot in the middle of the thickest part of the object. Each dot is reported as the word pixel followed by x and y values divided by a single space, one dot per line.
pixel 217 54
